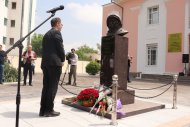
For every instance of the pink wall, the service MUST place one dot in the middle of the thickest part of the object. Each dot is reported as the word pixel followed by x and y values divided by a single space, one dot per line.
pixel 130 22
pixel 175 24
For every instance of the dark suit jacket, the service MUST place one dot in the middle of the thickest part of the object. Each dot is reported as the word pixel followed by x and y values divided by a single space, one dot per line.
pixel 53 53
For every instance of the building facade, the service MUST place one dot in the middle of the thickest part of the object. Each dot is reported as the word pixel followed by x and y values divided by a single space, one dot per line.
pixel 158 33
pixel 10 22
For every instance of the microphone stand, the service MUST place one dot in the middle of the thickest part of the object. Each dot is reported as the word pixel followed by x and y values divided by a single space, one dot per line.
pixel 20 46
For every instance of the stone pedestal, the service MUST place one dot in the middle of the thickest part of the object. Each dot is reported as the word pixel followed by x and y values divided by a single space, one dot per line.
pixel 128 110
pixel 114 61
pixel 125 97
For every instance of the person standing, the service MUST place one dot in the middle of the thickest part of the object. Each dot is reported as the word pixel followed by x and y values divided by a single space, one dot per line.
pixel 28 57
pixel 128 69
pixel 2 60
pixel 73 68
pixel 53 57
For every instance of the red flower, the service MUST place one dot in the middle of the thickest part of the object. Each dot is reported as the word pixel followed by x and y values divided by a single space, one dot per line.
pixel 87 94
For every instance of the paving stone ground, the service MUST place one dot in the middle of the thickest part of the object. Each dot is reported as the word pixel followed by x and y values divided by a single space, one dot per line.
pixel 30 99
pixel 8 91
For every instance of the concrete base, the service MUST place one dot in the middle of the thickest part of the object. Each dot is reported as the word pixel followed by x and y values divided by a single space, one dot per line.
pixel 128 110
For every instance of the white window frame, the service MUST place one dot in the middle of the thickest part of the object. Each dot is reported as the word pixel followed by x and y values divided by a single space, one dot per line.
pixel 152 57
pixel 153 15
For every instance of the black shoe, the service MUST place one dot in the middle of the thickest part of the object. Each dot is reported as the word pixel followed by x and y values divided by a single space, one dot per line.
pixel 68 83
pixel 30 85
pixel 56 112
pixel 41 114
pixel 51 114
pixel 74 84
pixel 24 84
pixel 129 81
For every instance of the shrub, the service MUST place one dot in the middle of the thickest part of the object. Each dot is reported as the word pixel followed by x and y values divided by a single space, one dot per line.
pixel 93 68
pixel 10 73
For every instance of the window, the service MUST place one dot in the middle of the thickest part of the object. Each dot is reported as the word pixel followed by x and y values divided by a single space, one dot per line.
pixel 11 41
pixel 152 54
pixel 12 23
pixel 5 21
pixel 13 5
pixel 6 3
pixel 153 15
pixel 4 40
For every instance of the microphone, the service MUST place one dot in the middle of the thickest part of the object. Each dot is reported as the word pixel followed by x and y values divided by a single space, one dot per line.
pixel 61 7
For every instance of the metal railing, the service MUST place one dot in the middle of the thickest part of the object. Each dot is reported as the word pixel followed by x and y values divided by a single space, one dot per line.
pixel 114 97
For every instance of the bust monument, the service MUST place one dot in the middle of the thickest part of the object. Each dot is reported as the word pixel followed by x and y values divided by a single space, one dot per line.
pixel 115 26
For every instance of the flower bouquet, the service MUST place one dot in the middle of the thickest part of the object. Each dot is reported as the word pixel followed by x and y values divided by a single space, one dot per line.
pixel 87 97
pixel 105 102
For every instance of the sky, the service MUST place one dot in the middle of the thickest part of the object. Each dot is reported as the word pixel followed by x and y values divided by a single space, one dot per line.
pixel 82 20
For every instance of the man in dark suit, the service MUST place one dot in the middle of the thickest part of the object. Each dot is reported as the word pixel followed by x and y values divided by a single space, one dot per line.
pixel 53 57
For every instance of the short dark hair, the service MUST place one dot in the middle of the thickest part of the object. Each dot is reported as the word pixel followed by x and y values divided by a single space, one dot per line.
pixel 72 49
pixel 54 21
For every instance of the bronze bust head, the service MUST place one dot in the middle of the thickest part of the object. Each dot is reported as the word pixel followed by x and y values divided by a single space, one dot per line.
pixel 115 26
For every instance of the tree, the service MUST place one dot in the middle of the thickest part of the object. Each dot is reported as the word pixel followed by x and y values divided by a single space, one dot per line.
pixel 98 47
pixel 87 49
pixel 37 44
pixel 83 52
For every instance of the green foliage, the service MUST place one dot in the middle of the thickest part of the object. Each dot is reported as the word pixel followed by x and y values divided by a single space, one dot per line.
pixel 37 44
pixel 83 56
pixel 93 68
pixel 98 47
pixel 10 73
pixel 87 49
pixel 83 52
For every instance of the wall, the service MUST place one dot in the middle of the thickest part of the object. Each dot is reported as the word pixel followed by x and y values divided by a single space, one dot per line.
pixel 81 65
pixel 150 34
pixel 131 16
pixel 175 24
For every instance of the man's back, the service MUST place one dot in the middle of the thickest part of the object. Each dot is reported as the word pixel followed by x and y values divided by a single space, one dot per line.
pixel 52 49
